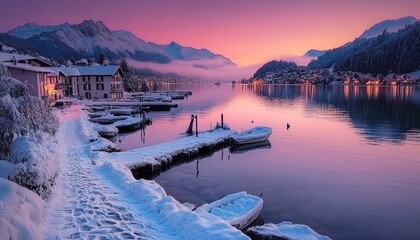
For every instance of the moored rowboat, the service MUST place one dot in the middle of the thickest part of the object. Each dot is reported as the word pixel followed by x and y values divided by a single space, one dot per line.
pixel 253 135
pixel 238 209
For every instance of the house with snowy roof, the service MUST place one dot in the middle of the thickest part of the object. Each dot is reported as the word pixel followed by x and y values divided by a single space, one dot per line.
pixel 24 59
pixel 92 81
pixel 29 69
pixel 35 77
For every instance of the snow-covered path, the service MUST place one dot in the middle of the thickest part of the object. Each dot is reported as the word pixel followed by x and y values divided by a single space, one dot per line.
pixel 89 208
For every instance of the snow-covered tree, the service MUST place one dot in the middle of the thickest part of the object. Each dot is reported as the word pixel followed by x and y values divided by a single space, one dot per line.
pixel 30 120
pixel 131 83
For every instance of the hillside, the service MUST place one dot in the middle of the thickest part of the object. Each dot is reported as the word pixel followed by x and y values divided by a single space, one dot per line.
pixel 274 66
pixel 390 25
pixel 397 52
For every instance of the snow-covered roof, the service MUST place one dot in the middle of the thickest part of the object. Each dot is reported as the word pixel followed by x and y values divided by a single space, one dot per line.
pixel 88 70
pixel 98 70
pixel 55 72
pixel 67 71
pixel 27 67
pixel 7 57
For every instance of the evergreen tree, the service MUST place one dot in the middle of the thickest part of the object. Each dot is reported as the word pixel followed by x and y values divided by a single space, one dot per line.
pixel 124 66
pixel 101 59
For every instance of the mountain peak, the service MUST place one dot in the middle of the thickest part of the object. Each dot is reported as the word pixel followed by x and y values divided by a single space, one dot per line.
pixel 314 53
pixel 92 28
pixel 390 25
pixel 174 44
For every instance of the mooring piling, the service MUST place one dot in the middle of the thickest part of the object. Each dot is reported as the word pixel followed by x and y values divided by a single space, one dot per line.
pixel 196 126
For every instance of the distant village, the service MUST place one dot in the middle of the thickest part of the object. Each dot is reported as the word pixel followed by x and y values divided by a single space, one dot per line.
pixel 304 75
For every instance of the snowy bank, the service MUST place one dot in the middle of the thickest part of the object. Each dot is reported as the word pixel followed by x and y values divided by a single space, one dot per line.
pixel 90 131
pixel 20 211
pixel 285 230
pixel 185 223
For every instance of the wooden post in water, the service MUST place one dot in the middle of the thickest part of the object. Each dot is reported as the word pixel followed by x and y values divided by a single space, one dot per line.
pixel 190 127
pixel 221 116
pixel 196 126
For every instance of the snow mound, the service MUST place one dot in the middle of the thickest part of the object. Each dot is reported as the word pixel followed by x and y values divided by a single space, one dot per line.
pixel 103 144
pixel 6 168
pixel 37 164
pixel 20 211
pixel 285 230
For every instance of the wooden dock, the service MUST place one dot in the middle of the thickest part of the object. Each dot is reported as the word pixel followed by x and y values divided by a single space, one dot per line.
pixel 153 106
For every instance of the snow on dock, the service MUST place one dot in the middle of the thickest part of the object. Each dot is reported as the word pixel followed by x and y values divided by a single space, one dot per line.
pixel 150 105
pixel 164 153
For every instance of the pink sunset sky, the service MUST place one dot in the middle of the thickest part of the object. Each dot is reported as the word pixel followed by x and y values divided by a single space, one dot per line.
pixel 246 31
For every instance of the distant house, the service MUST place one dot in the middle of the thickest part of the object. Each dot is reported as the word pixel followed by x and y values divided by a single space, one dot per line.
pixel 24 59
pixel 93 82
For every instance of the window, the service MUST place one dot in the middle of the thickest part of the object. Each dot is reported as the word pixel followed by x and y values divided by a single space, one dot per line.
pixel 99 86
pixel 105 95
pixel 86 87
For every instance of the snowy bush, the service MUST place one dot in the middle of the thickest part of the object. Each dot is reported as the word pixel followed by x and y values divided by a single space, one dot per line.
pixel 36 163
pixel 26 117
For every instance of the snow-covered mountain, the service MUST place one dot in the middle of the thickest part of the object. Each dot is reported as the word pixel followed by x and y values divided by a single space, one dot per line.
pixel 91 38
pixel 390 25
pixel 31 29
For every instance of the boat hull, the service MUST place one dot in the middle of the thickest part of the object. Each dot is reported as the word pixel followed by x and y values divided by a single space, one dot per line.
pixel 254 135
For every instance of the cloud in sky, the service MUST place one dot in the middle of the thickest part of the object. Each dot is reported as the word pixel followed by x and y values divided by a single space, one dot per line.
pixel 209 70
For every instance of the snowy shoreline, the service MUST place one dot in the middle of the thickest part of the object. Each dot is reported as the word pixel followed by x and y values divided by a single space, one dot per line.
pixel 97 195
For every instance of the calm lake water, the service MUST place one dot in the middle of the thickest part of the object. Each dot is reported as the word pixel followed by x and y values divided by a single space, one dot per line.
pixel 348 167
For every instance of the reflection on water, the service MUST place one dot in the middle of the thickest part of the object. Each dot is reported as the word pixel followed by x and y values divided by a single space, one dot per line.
pixel 348 166
pixel 237 149
pixel 380 112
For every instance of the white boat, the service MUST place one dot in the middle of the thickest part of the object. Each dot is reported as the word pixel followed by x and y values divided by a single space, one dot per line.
pixel 131 123
pixel 95 114
pixel 238 209
pixel 253 135
pixel 105 130
pixel 108 119
pixel 119 111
